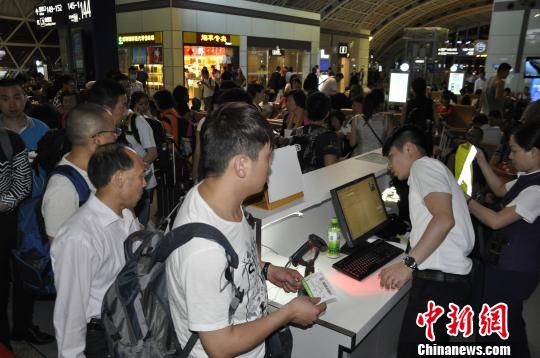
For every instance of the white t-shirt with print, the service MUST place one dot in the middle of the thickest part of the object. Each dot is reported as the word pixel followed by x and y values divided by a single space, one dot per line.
pixel 527 201
pixel 199 294
pixel 428 176
pixel 147 141
pixel 61 200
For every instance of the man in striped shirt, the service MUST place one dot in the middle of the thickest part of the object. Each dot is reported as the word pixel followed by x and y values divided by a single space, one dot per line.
pixel 15 184
pixel 12 103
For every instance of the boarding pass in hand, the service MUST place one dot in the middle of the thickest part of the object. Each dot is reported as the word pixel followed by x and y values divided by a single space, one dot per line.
pixel 316 285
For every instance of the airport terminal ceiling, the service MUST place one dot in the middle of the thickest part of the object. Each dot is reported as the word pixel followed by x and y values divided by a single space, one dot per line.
pixel 386 19
pixel 21 41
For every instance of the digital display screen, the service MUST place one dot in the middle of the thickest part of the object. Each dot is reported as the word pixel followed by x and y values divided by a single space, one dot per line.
pixel 399 86
pixel 455 82
pixel 532 67
pixel 535 89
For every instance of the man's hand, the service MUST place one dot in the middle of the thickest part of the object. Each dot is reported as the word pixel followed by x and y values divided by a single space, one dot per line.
pixel 4 207
pixel 304 310
pixel 395 276
pixel 288 279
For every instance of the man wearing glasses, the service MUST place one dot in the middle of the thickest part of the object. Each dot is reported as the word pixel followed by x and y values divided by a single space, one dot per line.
pixel 87 127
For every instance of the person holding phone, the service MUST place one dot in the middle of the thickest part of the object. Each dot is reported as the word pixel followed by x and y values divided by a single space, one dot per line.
pixel 511 274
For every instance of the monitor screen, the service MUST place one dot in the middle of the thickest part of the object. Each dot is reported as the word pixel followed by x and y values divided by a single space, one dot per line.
pixel 532 67
pixel 534 89
pixel 455 82
pixel 399 85
pixel 359 209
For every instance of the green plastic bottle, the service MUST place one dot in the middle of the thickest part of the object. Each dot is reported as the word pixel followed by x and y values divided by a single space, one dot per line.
pixel 334 238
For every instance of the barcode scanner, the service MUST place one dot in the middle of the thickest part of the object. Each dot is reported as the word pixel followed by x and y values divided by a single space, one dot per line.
pixel 314 244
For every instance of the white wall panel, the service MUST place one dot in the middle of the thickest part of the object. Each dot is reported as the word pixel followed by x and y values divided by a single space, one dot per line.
pixel 237 24
pixel 211 22
pixel 157 20
pixel 262 28
pixel 184 19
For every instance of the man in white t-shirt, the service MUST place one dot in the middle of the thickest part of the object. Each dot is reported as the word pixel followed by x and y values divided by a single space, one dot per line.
pixel 441 238
pixel 329 86
pixel 237 146
pixel 140 138
pixel 87 127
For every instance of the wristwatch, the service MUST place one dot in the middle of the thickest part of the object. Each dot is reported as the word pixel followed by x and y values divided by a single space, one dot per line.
pixel 410 262
pixel 265 270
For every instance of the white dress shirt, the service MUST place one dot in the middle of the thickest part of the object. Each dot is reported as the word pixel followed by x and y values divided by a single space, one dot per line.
pixel 87 254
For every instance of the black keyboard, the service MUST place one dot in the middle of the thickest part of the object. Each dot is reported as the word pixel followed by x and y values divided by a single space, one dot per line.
pixel 366 260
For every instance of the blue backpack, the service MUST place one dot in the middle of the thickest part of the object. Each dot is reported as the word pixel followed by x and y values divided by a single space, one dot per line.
pixel 32 257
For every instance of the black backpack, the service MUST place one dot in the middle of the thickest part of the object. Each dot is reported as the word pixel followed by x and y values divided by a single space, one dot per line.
pixel 135 312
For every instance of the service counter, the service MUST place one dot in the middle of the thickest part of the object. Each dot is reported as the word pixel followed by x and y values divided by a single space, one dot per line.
pixel 364 320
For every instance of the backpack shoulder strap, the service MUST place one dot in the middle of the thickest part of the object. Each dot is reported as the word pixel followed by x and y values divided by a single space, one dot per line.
pixel 183 234
pixel 5 143
pixel 83 190
pixel 133 127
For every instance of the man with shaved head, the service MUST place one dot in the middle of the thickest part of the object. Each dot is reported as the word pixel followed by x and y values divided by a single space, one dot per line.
pixel 87 126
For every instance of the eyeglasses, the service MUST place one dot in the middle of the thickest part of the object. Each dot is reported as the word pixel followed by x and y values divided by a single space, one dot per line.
pixel 117 132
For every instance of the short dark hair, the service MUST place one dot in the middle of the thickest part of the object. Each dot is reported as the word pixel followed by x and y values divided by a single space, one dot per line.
pixel 338 114
pixel 121 77
pixel 164 99
pixel 132 68
pixel 480 119
pixel 227 84
pixel 359 99
pixel 299 97
pixel 136 97
pixel 318 106
pixel 232 129
pixel 234 95
pixel 180 94
pixel 340 100
pixel 527 135
pixel 196 104
pixel 66 79
pixel 11 82
pixel 106 161
pixel 404 134
pixel 106 92
pixel 504 67
pixel 419 86
pixel 84 121
pixel 254 88
pixel 495 113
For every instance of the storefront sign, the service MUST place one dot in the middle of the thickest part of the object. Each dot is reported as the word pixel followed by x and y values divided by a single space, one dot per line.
pixel 277 52
pixel 140 38
pixel 343 49
pixel 213 39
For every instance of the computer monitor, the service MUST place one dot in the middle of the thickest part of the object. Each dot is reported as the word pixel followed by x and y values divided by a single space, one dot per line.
pixel 360 210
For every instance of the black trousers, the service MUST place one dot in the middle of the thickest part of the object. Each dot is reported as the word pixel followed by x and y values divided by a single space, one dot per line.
pixel 512 288
pixel 8 225
pixel 23 302
pixel 422 291
pixel 96 343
